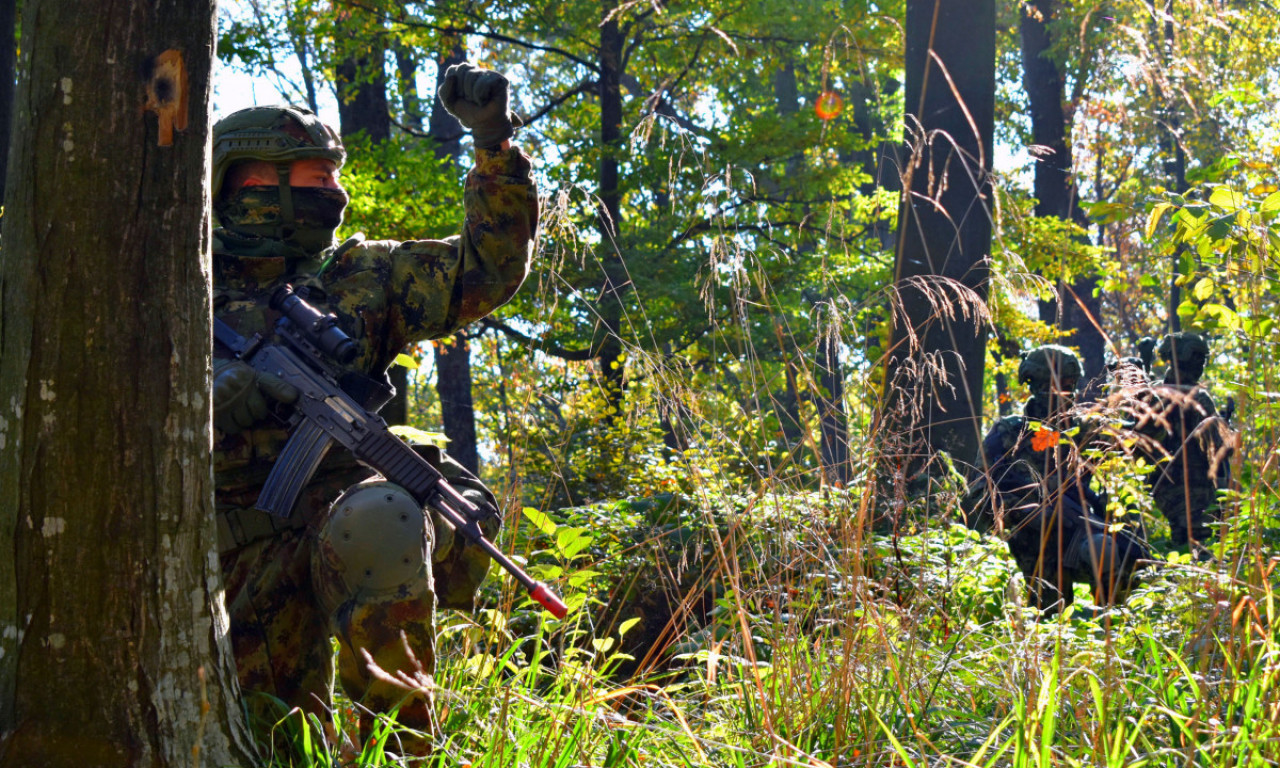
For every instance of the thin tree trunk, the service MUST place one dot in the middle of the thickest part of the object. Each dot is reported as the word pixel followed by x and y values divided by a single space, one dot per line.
pixel 833 428
pixel 1175 162
pixel 453 355
pixel 935 364
pixel 363 108
pixel 113 637
pixel 608 341
pixel 1077 307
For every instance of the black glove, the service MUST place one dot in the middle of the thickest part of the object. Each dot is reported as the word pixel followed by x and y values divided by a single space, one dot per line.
pixel 240 395
pixel 479 98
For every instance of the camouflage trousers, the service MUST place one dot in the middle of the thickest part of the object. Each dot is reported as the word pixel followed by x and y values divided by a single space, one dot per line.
pixel 1189 509
pixel 1043 542
pixel 286 601
pixel 1057 545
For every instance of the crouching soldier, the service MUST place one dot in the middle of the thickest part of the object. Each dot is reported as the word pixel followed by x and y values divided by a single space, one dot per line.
pixel 1036 490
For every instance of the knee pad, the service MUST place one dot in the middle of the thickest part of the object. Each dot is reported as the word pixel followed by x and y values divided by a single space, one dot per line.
pixel 375 538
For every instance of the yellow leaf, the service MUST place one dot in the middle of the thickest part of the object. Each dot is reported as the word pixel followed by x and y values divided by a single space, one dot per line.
pixel 1153 220
pixel 1203 289
pixel 406 361
pixel 415 436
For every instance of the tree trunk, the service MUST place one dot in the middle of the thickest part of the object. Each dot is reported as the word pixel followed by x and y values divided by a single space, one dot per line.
pixel 453 355
pixel 934 367
pixel 457 411
pixel 444 127
pixel 361 82
pixel 114 647
pixel 1175 162
pixel 1078 306
pixel 8 63
pixel 607 343
pixel 833 420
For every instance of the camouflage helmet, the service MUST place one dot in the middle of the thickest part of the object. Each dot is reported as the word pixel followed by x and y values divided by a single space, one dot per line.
pixel 1040 366
pixel 275 134
pixel 1185 347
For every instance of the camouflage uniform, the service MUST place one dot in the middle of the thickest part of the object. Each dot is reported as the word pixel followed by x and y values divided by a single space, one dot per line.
pixel 286 593
pixel 1037 490
pixel 1191 442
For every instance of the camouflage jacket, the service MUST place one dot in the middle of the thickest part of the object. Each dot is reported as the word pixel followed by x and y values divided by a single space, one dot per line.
pixel 386 294
pixel 1192 438
pixel 1029 467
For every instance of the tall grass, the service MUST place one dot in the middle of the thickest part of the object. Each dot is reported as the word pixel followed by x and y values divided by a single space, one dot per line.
pixel 931 658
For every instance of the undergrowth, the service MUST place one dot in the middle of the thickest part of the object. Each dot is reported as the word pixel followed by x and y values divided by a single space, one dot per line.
pixel 764 631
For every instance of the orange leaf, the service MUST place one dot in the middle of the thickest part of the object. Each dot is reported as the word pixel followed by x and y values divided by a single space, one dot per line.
pixel 1044 438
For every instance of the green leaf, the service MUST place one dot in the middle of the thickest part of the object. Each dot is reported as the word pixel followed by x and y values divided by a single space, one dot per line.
pixel 571 541
pixel 540 521
pixel 1226 198
pixel 408 362
pixel 1107 213
pixel 1222 315
pixel 581 579
pixel 1270 203
pixel 625 626
pixel 1203 289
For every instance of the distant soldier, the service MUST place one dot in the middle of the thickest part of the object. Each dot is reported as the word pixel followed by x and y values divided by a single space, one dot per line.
pixel 1037 490
pixel 1189 442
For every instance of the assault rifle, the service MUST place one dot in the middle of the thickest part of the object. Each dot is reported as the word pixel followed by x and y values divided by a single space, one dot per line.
pixel 336 405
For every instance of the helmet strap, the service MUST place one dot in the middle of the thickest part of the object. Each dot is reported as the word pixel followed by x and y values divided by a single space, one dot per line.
pixel 287 222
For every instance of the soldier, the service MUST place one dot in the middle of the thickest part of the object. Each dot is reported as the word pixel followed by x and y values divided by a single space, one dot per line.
pixel 356 559
pixel 1040 495
pixel 1190 442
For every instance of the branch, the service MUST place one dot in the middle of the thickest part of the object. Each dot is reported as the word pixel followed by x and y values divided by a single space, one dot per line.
pixel 472 30
pixel 554 350
pixel 582 87
pixel 421 134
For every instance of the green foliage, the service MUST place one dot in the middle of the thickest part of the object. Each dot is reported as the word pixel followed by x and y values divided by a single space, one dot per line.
pixel 731 605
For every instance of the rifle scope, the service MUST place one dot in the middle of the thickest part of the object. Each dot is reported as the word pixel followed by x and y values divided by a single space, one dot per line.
pixel 321 330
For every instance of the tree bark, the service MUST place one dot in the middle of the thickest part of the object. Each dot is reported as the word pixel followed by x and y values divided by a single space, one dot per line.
pixel 113 645
pixel 607 343
pixel 363 107
pixel 8 64
pixel 1078 307
pixel 934 366
pixel 453 355
pixel 1175 162
pixel 457 411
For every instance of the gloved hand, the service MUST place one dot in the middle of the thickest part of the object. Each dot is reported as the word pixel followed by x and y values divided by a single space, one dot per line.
pixel 240 395
pixel 479 98
pixel 443 545
pixel 446 536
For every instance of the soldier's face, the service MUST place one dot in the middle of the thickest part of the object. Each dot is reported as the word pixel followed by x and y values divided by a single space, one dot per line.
pixel 314 172
pixel 1062 395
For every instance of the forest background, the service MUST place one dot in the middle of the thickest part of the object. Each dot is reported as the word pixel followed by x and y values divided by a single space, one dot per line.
pixel 685 408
